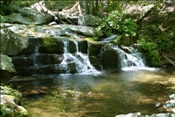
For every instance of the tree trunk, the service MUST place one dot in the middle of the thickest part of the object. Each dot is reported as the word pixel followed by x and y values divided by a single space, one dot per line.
pixel 86 7
pixel 91 6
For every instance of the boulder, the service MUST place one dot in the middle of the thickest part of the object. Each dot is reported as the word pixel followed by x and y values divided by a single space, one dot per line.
pixel 109 57
pixel 7 69
pixel 11 43
pixel 29 16
pixel 9 103
pixel 87 20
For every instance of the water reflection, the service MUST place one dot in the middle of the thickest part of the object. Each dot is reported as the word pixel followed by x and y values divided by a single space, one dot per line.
pixel 96 95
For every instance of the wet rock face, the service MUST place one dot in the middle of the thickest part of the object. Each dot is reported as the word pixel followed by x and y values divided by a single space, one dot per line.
pixel 109 57
pixel 41 56
pixel 44 56
pixel 9 103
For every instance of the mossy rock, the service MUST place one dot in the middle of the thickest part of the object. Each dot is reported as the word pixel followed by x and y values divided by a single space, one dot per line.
pixel 10 99
pixel 7 69
pixel 95 48
pixel 51 45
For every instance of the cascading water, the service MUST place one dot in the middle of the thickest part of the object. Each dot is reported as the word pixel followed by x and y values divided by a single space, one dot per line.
pixel 130 59
pixel 77 62
pixel 34 56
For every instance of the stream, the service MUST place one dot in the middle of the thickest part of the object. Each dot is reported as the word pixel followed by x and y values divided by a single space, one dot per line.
pixel 96 95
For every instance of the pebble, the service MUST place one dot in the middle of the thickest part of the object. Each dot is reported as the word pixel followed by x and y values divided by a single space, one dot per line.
pixel 158 105
pixel 172 101
pixel 169 105
pixel 140 115
pixel 172 96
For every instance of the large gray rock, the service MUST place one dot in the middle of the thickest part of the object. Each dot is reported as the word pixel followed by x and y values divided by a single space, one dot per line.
pixel 9 103
pixel 30 16
pixel 7 69
pixel 12 43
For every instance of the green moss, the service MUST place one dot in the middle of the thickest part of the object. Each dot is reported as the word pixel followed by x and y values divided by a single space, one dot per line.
pixel 3 112
pixel 10 91
pixel 49 44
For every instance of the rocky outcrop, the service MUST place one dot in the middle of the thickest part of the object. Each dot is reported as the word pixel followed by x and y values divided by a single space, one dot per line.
pixel 7 69
pixel 12 43
pixel 45 47
pixel 10 99
pixel 29 16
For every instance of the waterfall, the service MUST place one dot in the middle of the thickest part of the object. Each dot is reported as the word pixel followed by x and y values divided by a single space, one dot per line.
pixel 130 58
pixel 76 62
pixel 35 55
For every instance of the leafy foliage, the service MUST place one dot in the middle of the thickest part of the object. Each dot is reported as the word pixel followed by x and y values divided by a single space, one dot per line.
pixel 3 19
pixel 116 22
pixel 151 47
